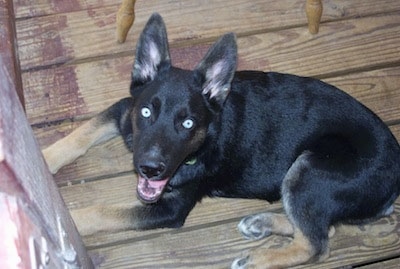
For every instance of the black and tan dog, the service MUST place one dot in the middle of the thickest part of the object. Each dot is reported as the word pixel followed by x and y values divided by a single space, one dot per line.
pixel 217 132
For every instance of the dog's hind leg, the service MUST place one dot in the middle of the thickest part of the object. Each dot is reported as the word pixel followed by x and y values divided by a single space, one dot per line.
pixel 264 224
pixel 299 251
pixel 261 225
pixel 305 222
pixel 99 129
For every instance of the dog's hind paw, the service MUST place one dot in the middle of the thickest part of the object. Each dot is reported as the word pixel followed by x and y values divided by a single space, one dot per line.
pixel 240 263
pixel 264 224
pixel 254 227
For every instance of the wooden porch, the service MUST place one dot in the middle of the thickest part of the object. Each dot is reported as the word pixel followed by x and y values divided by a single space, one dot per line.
pixel 72 68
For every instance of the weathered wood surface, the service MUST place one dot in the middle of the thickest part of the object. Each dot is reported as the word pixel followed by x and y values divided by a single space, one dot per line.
pixel 210 238
pixel 83 89
pixel 227 244
pixel 73 68
pixel 389 264
pixel 56 39
pixel 333 9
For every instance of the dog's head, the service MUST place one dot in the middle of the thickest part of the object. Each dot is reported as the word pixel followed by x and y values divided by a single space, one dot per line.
pixel 173 108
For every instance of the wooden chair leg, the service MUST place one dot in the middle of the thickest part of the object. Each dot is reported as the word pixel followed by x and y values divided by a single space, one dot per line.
pixel 125 18
pixel 314 13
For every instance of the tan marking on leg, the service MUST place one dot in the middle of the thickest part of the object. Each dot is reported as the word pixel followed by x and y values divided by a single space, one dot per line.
pixel 281 225
pixel 76 144
pixel 110 218
pixel 299 251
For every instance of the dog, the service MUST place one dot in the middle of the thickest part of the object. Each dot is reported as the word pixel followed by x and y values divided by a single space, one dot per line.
pixel 218 132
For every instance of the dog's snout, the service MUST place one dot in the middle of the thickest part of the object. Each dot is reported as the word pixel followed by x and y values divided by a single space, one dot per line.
pixel 152 169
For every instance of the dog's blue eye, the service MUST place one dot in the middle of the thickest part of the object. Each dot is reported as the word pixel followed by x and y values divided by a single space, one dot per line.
pixel 187 124
pixel 146 112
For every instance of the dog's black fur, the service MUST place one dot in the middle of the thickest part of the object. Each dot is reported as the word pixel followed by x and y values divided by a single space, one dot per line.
pixel 217 132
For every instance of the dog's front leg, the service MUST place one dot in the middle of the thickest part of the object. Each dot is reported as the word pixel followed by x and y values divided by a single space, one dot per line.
pixel 167 213
pixel 99 129
pixel 170 212
pixel 104 218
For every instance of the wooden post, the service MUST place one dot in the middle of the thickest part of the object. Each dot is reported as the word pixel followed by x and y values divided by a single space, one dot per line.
pixel 314 13
pixel 36 229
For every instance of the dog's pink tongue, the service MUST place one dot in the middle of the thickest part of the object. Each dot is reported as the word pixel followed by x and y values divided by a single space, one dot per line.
pixel 150 190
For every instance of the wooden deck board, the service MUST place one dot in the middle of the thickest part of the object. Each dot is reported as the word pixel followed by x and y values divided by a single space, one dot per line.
pixel 73 68
pixel 333 9
pixel 57 39
pixel 212 225
pixel 215 246
pixel 389 264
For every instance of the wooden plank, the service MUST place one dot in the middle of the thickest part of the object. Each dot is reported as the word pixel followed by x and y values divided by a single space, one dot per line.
pixel 83 89
pixel 68 92
pixel 57 39
pixel 210 220
pixel 217 246
pixel 340 48
pixel 28 9
pixel 332 8
pixel 98 24
pixel 389 264
pixel 378 89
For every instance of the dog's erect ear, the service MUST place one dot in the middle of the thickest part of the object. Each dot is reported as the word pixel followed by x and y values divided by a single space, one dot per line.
pixel 217 68
pixel 152 52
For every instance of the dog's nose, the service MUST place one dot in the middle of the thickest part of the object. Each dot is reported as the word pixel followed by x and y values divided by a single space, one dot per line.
pixel 152 169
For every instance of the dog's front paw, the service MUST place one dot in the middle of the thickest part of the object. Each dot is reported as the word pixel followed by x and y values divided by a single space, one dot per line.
pixel 254 227
pixel 240 263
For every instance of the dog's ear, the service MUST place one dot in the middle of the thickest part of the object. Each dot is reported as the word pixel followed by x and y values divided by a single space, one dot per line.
pixel 215 72
pixel 152 52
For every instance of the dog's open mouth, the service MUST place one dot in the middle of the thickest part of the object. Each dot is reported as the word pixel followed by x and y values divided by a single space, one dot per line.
pixel 150 191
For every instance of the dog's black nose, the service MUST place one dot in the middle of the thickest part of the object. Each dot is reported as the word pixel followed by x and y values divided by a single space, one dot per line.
pixel 152 170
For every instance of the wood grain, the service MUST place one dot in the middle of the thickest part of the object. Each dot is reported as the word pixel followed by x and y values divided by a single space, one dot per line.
pixel 333 9
pixel 389 264
pixel 216 246
pixel 84 89
pixel 212 225
pixel 90 32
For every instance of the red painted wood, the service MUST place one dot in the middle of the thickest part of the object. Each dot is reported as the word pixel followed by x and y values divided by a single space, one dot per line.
pixel 35 225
